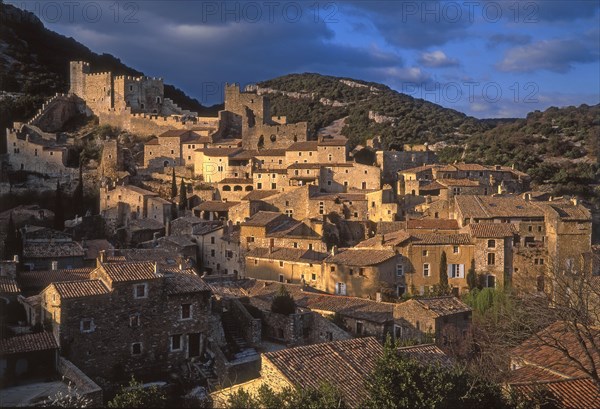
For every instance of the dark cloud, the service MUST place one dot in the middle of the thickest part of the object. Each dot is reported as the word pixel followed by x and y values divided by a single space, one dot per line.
pixel 552 55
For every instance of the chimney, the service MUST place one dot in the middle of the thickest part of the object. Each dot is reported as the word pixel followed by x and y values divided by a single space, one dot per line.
pixel 102 256
pixel 155 239
pixel 575 201
pixel 168 228
pixel 156 268
pixel 16 258
pixel 378 297
pixel 333 250
pixel 54 265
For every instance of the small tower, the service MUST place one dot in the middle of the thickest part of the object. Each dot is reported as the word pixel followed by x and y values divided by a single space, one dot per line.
pixel 78 71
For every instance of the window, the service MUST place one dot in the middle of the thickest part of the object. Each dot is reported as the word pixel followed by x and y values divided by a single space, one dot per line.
pixel 212 253
pixel 456 271
pixel 426 270
pixel 491 259
pixel 212 240
pixel 313 277
pixel 361 272
pixel 310 246
pixel 134 320
pixel 186 311
pixel 281 278
pixel 400 289
pixel 281 264
pixel 530 228
pixel 321 208
pixel 332 269
pixel 455 249
pixel 289 212
pixel 176 342
pixel 539 228
pixel 491 244
pixel 399 270
pixel 425 253
pixel 359 327
pixel 351 271
pixel 140 290
pixel 136 348
pixel 255 261
pixel 538 261
pixel 87 325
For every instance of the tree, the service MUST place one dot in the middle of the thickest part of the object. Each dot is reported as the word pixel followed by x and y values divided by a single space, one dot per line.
pixel 136 396
pixel 11 245
pixel 173 185
pixel 399 382
pixel 78 194
pixel 71 399
pixel 59 212
pixel 472 276
pixel 283 302
pixel 444 287
pixel 183 204
pixel 324 396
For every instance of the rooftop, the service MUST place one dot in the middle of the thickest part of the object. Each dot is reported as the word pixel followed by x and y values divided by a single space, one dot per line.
pixel 80 288
pixel 287 254
pixel 437 238
pixel 215 206
pixel 259 194
pixel 185 283
pixel 9 285
pixel 441 224
pixel 53 250
pixel 130 271
pixel 42 279
pixel 492 230
pixel 567 394
pixel 360 257
pixel 487 207
pixel 303 146
pixel 440 306
pixel 262 218
pixel 346 364
pixel 39 341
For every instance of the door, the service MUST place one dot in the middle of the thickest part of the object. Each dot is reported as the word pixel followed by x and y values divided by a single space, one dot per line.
pixel 193 344
pixel 340 288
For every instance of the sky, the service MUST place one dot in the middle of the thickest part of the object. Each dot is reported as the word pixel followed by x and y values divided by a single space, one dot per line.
pixel 485 58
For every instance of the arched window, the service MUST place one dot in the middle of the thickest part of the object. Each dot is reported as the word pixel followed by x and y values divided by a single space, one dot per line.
pixel 273 138
pixel 261 142
pixel 249 188
pixel 237 188
pixel 226 188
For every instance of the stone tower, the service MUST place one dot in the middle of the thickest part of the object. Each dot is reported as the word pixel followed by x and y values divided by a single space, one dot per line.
pixel 78 71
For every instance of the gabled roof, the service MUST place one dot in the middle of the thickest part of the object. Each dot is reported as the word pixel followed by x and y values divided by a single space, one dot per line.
pixel 9 285
pixel 442 224
pixel 130 271
pixel 262 218
pixel 287 254
pixel 360 257
pixel 80 288
pixel 52 250
pixel 567 393
pixel 346 364
pixel 426 354
pixel 42 279
pixel 303 146
pixel 185 283
pixel 332 142
pixel 259 194
pixel 458 182
pixel 487 207
pixel 40 341
pixel 438 238
pixel 439 306
pixel 492 230
pixel 215 206
pixel 219 151
pixel 394 238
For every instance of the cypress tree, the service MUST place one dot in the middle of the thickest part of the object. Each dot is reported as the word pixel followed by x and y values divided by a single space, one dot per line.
pixel 182 196
pixel 78 194
pixel 11 246
pixel 59 212
pixel 444 287
pixel 173 185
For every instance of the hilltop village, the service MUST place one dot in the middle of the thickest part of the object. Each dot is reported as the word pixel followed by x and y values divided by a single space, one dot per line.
pixel 173 278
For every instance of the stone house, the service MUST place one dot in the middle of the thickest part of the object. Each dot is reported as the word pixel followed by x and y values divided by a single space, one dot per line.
pixel 348 176
pixel 216 164
pixel 133 198
pixel 45 248
pixel 270 179
pixel 382 205
pixel 443 320
pixel 302 152
pixel 359 272
pixel 174 148
pixel 215 210
pixel 130 317
pixel 233 189
pixel 493 252
pixel 160 209
pixel 139 231
pixel 286 265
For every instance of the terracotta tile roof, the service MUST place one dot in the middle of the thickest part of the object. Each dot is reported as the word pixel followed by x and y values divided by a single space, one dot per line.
pixel 92 247
pixel 440 306
pixel 487 207
pixel 153 141
pixel 130 271
pixel 39 341
pixel 545 349
pixel 532 373
pixel 435 185
pixel 9 286
pixel 343 197
pixel 426 354
pixel 206 228
pixel 80 288
pixel 567 394
pixel 53 250
pixel 294 230
pixel 395 238
pixel 219 151
pixel 262 218
pixel 465 167
pixel 42 279
pixel 333 142
pixel 303 146
pixel 259 194
pixel 144 224
pixel 438 238
pixel 389 227
pixel 185 283
pixel 271 152
pixel 174 133
pixel 358 308
pixel 443 224
pixel 360 257
pixel 241 181
pixel 346 364
pixel 164 257
pixel 287 254
pixel 568 211
pixel 458 182
pixel 305 166
pixel 419 169
pixel 492 230
pixel 215 206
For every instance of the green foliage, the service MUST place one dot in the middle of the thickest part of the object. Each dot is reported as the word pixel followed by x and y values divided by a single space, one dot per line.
pixel 283 302
pixel 325 396
pixel 444 288
pixel 472 276
pixel 398 382
pixel 491 302
pixel 173 185
pixel 78 194
pixel 70 399
pixel 135 396
pixel 59 215
pixel 183 202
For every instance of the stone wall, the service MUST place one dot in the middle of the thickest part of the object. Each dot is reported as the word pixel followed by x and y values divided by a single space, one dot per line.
pixel 349 176
pixel 85 386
